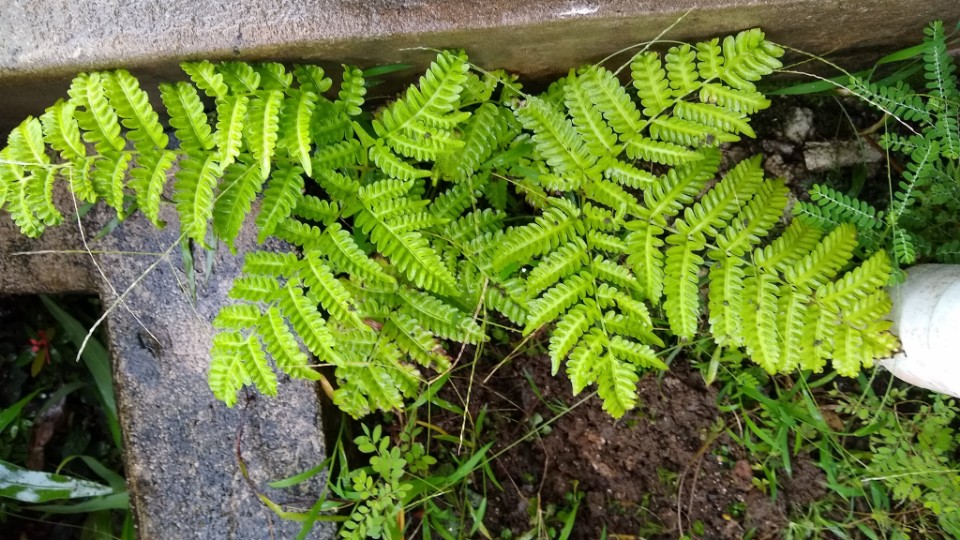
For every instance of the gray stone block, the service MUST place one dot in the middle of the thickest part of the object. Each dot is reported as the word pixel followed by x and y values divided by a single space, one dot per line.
pixel 43 43
pixel 181 444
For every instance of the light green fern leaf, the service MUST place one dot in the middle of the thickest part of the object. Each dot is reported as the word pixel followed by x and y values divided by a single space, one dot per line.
pixel 61 131
pixel 148 181
pixel 263 124
pixel 229 135
pixel 284 189
pixel 193 193
pixel 97 119
pixel 133 107
pixel 186 116
pixel 241 183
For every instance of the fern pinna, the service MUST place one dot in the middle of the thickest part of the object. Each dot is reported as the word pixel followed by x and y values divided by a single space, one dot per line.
pixel 920 222
pixel 400 217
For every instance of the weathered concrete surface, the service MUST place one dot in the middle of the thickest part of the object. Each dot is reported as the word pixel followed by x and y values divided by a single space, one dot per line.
pixel 44 42
pixel 181 444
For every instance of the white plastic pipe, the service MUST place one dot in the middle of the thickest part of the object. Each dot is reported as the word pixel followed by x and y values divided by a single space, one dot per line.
pixel 926 317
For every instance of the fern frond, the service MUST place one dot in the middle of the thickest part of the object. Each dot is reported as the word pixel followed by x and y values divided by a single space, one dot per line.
pixel 25 144
pixel 548 231
pixel 308 323
pixel 791 320
pixel 342 251
pixel 681 65
pixel 482 135
pixel 587 118
pixel 352 91
pixel 262 127
pixel 230 115
pixel 282 346
pixel 627 175
pixel 714 116
pixel 439 318
pixel 616 384
pixel 716 208
pixel 681 285
pixel 556 139
pixel 665 153
pixel 339 155
pixel 193 193
pixel 856 284
pixel 796 241
pixel 268 263
pixel 133 107
pixel 241 183
pixel 312 78
pixel 570 328
pixel 646 258
pixel 109 173
pixel 558 299
pixel 297 112
pixel 676 189
pixel 613 101
pixel 673 129
pixel 328 291
pixel 254 289
pixel 273 76
pixel 582 363
pixel 40 197
pixel 394 165
pixel 186 117
pixel 204 74
pixel 284 190
pixel 415 341
pixel 97 119
pixel 299 233
pixel 316 209
pixel 732 99
pixel 62 132
pixel 650 80
pixel 725 302
pixel 228 373
pixel 148 180
pixel 823 262
pixel 240 77
pixel 744 59
pixel 754 221
pixel 237 317
pixel 759 311
pixel 558 264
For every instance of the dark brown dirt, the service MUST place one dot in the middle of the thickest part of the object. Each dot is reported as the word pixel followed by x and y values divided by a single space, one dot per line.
pixel 666 469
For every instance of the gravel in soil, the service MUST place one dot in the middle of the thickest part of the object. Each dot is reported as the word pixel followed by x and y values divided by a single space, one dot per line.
pixel 665 469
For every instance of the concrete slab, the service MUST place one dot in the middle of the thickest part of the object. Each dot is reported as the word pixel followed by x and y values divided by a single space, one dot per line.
pixel 181 444
pixel 43 43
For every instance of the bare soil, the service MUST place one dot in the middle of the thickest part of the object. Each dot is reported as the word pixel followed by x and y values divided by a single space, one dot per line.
pixel 666 469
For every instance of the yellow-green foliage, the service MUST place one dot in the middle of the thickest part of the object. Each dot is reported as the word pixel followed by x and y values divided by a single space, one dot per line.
pixel 400 218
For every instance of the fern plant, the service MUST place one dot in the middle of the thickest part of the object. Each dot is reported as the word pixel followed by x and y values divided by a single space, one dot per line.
pixel 408 233
pixel 634 237
pixel 920 222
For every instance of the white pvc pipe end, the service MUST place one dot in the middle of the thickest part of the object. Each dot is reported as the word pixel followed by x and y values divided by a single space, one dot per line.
pixel 926 317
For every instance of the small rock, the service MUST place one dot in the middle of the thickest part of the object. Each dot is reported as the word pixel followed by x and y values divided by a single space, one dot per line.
pixel 830 155
pixel 798 124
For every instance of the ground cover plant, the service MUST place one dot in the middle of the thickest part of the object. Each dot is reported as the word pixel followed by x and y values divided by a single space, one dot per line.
pixel 60 448
pixel 595 227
